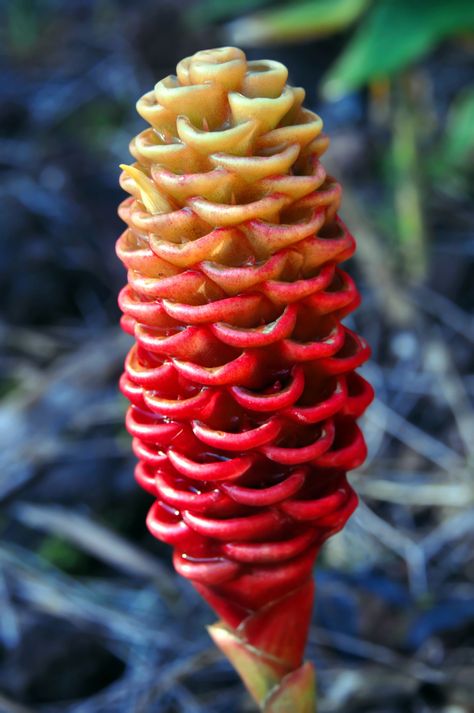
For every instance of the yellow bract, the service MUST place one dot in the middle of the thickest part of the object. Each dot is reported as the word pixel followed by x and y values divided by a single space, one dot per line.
pixel 229 143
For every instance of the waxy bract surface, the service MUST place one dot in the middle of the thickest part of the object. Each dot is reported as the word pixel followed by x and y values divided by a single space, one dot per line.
pixel 242 383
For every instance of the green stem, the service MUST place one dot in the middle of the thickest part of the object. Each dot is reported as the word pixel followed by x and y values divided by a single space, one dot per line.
pixel 407 188
pixel 274 687
pixel 296 693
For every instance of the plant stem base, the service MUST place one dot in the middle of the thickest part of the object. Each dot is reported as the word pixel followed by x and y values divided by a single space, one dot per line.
pixel 267 678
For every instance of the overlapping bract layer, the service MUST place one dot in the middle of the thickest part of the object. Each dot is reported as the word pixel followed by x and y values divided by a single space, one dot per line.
pixel 242 383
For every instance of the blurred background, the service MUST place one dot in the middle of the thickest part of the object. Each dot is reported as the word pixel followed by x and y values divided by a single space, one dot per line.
pixel 93 617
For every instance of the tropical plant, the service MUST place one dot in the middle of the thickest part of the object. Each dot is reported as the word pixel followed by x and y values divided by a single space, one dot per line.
pixel 244 395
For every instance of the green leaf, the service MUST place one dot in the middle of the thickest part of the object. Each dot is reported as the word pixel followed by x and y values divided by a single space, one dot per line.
pixel 394 34
pixel 458 145
pixel 208 11
pixel 295 22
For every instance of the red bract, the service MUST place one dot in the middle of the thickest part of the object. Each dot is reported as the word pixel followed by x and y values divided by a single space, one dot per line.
pixel 242 383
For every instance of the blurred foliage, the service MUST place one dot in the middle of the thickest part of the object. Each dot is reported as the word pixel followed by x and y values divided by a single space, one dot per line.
pixel 61 554
pixel 298 21
pixel 406 181
pixel 384 41
pixel 394 34
pixel 22 25
pixel 458 145
pixel 215 10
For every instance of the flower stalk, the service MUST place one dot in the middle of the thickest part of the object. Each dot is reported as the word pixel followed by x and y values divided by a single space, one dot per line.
pixel 266 650
pixel 242 382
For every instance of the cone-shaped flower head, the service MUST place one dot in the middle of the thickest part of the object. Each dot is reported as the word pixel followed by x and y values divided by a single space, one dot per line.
pixel 242 383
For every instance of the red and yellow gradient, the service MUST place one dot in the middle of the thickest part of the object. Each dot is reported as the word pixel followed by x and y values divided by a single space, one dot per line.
pixel 242 382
